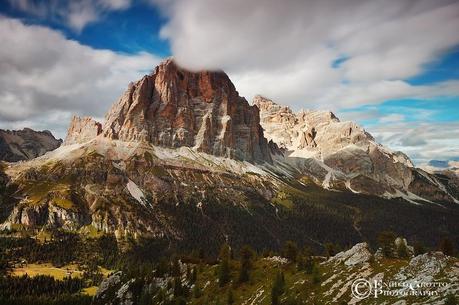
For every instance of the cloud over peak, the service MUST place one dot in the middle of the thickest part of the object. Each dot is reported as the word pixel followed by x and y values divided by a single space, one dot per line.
pixel 287 49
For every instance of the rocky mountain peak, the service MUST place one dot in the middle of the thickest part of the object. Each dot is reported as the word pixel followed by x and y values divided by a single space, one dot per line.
pixel 283 113
pixel 82 129
pixel 17 145
pixel 344 153
pixel 202 111
pixel 302 130
pixel 173 107
pixel 266 104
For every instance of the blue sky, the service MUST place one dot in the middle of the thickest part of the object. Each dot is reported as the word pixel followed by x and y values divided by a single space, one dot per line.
pixel 130 31
pixel 394 69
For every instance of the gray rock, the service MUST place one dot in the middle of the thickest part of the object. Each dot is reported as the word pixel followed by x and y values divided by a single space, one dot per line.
pixel 17 145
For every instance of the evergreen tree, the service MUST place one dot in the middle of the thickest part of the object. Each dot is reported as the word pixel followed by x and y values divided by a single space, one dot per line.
pixel 330 249
pixel 224 275
pixel 197 292
pixel 188 272
pixel 386 242
pixel 446 246
pixel 161 268
pixel 275 297
pixel 290 251
pixel 419 248
pixel 278 288
pixel 194 275
pixel 246 264
pixel 316 276
pixel 305 261
pixel 230 297
pixel 402 251
pixel 175 267
pixel 145 298
pixel 179 290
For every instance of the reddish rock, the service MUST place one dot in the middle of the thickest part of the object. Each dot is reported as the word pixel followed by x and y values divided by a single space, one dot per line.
pixel 82 130
pixel 173 107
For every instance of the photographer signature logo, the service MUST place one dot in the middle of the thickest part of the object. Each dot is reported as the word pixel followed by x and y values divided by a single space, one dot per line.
pixel 362 288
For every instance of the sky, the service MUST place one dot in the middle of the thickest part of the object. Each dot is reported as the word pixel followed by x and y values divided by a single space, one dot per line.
pixel 393 67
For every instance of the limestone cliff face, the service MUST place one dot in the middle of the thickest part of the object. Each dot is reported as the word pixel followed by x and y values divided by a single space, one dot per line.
pixel 17 145
pixel 317 132
pixel 82 130
pixel 347 154
pixel 173 107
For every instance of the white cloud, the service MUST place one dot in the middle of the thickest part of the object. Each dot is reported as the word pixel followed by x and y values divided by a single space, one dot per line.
pixel 115 4
pixel 45 77
pixel 75 13
pixel 391 118
pixel 285 49
pixel 421 141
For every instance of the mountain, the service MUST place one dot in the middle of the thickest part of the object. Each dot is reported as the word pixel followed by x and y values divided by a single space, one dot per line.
pixel 177 108
pixel 18 145
pixel 442 167
pixel 182 158
pixel 82 130
pixel 344 155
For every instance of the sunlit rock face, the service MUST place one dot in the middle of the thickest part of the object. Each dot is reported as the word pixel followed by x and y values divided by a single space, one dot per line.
pixel 82 130
pixel 348 155
pixel 173 107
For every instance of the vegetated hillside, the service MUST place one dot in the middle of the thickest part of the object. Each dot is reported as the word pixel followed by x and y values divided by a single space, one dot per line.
pixel 153 274
pixel 194 208
pixel 296 277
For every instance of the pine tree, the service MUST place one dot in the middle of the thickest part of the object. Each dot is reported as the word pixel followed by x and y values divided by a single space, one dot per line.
pixel 178 287
pixel 175 268
pixel 386 242
pixel 224 275
pixel 145 298
pixel 278 288
pixel 305 261
pixel 446 246
pixel 290 251
pixel 402 251
pixel 246 264
pixel 188 272
pixel 274 297
pixel 197 292
pixel 419 248
pixel 230 297
pixel 330 249
pixel 316 277
pixel 194 275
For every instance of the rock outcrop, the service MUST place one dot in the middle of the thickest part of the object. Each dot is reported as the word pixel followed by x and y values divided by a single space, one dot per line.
pixel 173 107
pixel 17 145
pixel 358 254
pixel 52 211
pixel 82 130
pixel 424 279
